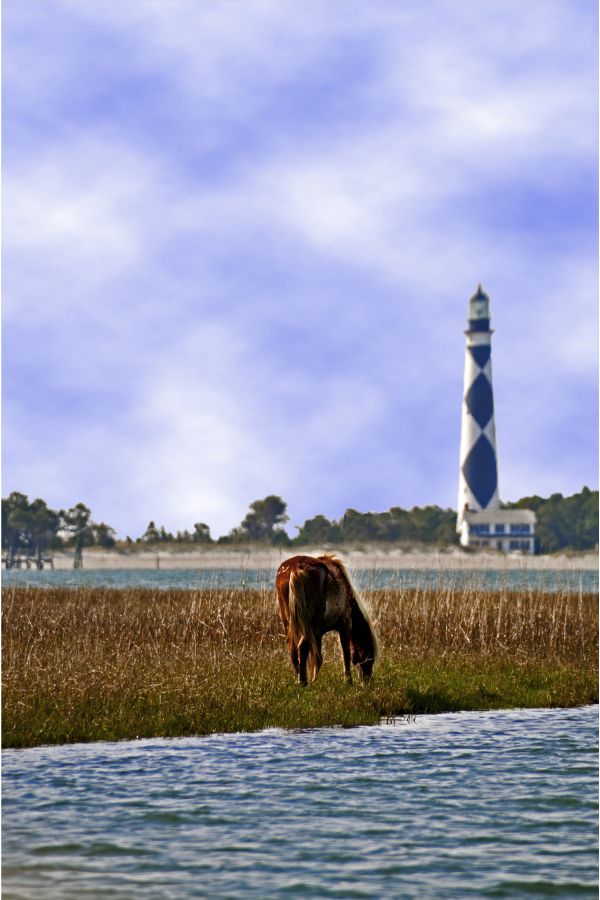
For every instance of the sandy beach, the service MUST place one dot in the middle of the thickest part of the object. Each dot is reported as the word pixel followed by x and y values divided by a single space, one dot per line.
pixel 373 557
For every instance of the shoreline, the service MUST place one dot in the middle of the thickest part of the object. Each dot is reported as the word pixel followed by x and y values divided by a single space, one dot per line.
pixel 355 559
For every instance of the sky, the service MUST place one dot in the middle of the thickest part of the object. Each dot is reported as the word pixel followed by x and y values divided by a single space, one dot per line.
pixel 239 239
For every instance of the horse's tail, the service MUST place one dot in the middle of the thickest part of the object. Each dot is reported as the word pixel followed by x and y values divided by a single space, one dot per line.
pixel 300 626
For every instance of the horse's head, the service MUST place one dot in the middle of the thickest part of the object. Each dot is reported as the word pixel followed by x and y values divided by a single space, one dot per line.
pixel 363 642
pixel 363 660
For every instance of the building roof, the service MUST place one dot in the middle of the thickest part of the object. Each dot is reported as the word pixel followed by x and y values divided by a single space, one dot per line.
pixel 506 516
pixel 480 294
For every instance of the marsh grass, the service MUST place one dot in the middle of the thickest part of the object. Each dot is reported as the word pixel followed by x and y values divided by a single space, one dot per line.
pixel 105 664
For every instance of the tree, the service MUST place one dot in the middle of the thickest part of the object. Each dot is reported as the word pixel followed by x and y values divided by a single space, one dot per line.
pixel 151 535
pixel 201 533
pixel 433 525
pixel 104 535
pixel 77 523
pixel 318 530
pixel 265 520
pixel 43 524
pixel 356 526
pixel 14 523
pixel 27 527
pixel 563 522
pixel 281 538
pixel 401 524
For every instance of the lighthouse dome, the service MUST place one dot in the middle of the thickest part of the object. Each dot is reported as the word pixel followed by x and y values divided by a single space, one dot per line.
pixel 480 294
pixel 479 306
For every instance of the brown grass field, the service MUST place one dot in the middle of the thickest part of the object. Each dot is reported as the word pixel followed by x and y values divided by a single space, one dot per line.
pixel 106 664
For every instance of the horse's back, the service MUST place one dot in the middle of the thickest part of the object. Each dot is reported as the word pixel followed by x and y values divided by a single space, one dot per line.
pixel 312 569
pixel 313 573
pixel 325 582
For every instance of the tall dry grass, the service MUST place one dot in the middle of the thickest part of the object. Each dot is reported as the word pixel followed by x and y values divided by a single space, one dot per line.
pixel 87 664
pixel 525 623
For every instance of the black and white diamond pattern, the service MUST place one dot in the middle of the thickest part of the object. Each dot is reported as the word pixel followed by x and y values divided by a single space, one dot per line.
pixel 478 464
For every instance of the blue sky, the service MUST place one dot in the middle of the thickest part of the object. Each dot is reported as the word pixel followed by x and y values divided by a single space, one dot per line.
pixel 240 236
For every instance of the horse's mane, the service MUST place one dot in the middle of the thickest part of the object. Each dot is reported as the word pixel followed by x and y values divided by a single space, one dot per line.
pixel 366 624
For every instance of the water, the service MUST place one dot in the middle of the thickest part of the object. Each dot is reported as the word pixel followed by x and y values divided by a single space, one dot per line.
pixel 572 580
pixel 493 804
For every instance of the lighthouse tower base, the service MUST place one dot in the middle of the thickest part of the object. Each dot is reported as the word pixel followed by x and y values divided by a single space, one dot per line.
pixel 509 530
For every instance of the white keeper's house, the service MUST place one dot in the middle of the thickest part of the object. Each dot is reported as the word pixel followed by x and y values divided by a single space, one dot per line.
pixel 481 520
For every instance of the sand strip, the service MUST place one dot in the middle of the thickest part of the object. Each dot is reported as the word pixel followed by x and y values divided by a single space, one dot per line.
pixel 355 558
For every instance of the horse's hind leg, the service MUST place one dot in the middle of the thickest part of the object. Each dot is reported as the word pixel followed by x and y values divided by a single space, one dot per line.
pixel 294 656
pixel 317 659
pixel 303 651
pixel 345 645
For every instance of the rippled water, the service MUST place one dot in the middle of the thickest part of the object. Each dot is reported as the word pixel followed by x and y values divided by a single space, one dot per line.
pixel 573 580
pixel 495 804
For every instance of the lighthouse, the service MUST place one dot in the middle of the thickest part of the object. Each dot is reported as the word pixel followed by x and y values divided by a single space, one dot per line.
pixel 481 520
pixel 478 479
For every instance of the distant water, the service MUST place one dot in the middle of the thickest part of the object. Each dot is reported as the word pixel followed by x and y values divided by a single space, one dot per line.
pixel 572 580
pixel 493 804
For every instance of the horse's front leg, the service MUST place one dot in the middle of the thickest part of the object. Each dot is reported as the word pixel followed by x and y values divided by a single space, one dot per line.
pixel 345 645
pixel 318 658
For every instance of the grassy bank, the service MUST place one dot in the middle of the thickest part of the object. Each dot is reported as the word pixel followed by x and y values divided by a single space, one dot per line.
pixel 99 664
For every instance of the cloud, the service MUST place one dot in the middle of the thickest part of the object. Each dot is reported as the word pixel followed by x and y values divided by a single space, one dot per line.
pixel 238 251
pixel 72 226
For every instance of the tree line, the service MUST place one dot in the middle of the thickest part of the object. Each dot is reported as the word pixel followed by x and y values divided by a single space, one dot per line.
pixel 563 523
pixel 33 529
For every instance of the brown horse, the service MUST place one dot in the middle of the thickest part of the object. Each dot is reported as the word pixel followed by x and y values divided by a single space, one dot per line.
pixel 315 596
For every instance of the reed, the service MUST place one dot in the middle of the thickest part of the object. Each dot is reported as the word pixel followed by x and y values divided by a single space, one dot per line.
pixel 105 664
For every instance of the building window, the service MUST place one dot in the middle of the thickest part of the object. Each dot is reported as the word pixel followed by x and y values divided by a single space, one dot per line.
pixel 519 528
pixel 519 545
pixel 479 528
pixel 499 529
